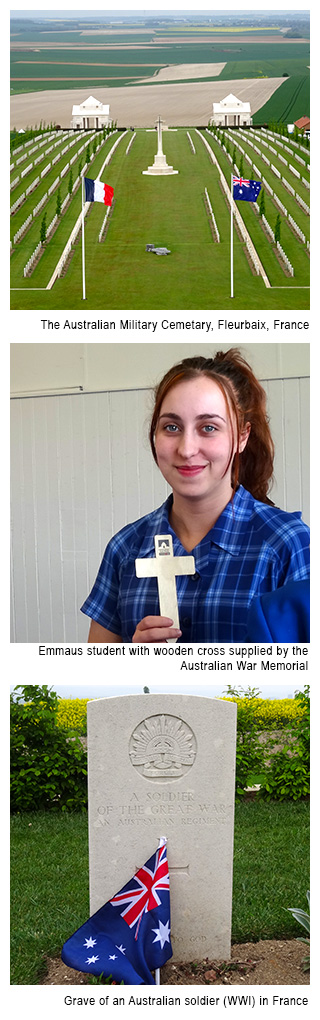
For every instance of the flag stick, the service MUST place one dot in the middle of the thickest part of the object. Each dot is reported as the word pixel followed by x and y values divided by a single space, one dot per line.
pixel 162 842
pixel 83 251
pixel 231 238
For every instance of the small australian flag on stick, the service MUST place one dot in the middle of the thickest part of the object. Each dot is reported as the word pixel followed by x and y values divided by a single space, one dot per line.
pixel 129 937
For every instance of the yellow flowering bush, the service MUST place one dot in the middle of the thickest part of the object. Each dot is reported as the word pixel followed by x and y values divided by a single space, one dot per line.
pixel 72 713
pixel 273 744
pixel 277 764
pixel 267 714
pixel 270 714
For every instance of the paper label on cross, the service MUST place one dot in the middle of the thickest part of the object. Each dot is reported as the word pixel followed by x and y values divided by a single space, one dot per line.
pixel 165 567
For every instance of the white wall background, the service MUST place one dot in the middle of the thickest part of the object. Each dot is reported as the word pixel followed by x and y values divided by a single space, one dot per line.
pixel 61 368
pixel 81 465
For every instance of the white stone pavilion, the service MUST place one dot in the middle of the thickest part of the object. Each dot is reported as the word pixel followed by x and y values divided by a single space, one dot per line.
pixel 91 114
pixel 231 112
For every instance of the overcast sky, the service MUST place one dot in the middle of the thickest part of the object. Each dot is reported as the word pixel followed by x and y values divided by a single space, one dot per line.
pixel 153 12
pixel 201 690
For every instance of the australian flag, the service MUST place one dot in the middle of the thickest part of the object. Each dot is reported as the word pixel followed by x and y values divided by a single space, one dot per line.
pixel 246 190
pixel 130 935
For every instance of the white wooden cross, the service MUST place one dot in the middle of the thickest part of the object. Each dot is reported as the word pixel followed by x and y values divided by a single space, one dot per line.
pixel 165 566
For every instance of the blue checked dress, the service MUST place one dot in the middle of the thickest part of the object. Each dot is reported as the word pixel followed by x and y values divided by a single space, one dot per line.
pixel 253 548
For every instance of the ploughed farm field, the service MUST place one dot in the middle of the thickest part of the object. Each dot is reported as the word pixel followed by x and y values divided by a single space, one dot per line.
pixel 180 103
pixel 188 213
pixel 79 57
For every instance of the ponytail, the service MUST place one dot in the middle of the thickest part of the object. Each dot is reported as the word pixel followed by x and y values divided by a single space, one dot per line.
pixel 246 398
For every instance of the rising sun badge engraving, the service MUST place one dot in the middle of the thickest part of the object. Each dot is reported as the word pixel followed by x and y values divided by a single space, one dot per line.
pixel 162 747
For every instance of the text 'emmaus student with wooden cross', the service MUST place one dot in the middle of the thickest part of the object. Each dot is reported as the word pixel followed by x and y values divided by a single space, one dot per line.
pixel 211 440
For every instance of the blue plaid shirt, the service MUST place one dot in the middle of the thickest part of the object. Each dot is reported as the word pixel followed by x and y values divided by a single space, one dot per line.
pixel 253 548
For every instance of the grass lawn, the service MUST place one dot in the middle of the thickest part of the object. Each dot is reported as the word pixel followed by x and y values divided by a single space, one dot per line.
pixel 166 211
pixel 49 879
pixel 295 251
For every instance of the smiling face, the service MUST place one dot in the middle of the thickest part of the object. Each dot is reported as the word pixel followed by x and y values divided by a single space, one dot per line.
pixel 195 440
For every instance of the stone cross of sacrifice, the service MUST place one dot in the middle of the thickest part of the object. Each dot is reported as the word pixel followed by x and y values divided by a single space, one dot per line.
pixel 165 566
pixel 159 133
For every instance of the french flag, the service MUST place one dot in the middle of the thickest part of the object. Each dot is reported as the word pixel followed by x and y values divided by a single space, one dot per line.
pixel 96 191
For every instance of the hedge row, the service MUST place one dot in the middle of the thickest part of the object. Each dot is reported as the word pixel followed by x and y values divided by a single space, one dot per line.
pixel 266 714
pixel 271 714
pixel 72 713
pixel 49 761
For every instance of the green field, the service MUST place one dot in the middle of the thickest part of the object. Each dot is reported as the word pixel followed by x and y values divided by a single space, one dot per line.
pixel 165 211
pixel 150 28
pixel 287 102
pixel 74 83
pixel 67 53
pixel 50 900
pixel 57 67
pixel 290 100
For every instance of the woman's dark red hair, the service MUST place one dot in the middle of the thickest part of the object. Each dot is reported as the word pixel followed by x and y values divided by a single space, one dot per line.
pixel 246 402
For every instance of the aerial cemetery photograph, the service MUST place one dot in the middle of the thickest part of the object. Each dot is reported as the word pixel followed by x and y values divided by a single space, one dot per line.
pixel 160 160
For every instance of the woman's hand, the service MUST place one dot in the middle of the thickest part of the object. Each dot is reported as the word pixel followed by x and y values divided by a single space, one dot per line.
pixel 155 628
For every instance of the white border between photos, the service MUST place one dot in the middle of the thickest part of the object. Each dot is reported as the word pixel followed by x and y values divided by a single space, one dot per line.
pixel 22 663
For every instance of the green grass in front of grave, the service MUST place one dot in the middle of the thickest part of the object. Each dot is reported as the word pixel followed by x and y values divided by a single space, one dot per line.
pixel 49 879
pixel 49 886
pixel 270 870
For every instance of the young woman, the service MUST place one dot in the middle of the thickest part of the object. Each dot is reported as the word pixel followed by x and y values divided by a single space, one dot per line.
pixel 211 440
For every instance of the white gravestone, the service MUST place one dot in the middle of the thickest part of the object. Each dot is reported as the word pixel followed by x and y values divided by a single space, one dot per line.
pixel 164 765
pixel 165 567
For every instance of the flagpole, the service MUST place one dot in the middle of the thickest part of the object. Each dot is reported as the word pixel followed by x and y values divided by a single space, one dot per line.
pixel 83 250
pixel 157 976
pixel 231 238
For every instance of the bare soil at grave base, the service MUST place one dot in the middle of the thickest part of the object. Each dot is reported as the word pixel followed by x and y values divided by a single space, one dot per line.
pixel 268 962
